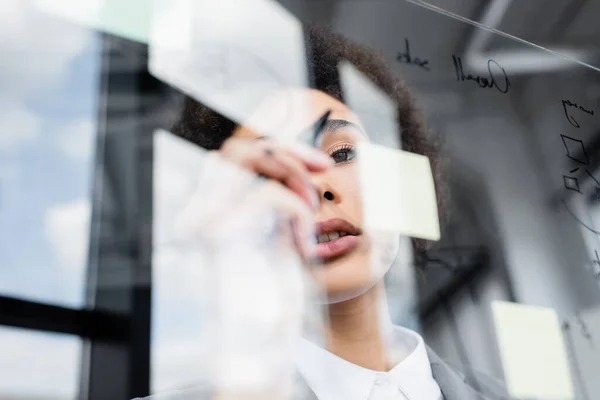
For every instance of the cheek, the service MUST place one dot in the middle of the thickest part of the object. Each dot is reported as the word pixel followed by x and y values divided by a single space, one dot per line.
pixel 384 249
pixel 349 185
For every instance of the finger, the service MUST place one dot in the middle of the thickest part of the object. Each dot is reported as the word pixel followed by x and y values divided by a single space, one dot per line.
pixel 291 206
pixel 281 161
pixel 314 159
pixel 290 172
pixel 270 161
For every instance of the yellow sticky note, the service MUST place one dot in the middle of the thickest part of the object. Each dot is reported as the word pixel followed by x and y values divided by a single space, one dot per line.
pixel 129 19
pixel 398 192
pixel 532 351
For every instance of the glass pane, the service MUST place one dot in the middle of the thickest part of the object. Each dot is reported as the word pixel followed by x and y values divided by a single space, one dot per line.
pixel 456 227
pixel 38 365
pixel 48 109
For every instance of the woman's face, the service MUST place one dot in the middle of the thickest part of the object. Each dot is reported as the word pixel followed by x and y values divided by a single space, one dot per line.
pixel 355 262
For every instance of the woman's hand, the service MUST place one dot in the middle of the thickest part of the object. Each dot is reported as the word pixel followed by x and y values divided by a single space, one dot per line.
pixel 288 189
pixel 229 192
pixel 264 285
pixel 287 163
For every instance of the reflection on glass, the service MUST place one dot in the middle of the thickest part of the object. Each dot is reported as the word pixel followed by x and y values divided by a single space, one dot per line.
pixel 266 266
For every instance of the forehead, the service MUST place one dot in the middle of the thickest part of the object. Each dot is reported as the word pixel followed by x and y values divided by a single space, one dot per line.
pixel 288 112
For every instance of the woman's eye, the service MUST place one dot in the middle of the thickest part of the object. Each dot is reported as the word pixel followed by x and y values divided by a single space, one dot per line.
pixel 343 155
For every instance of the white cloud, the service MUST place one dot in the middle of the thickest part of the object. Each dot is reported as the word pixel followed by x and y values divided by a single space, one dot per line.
pixel 38 364
pixel 67 229
pixel 76 140
pixel 19 125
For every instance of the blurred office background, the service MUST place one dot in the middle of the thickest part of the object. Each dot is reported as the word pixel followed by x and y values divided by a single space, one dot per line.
pixel 82 316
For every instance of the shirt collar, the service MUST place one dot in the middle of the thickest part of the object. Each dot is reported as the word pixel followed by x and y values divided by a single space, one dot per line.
pixel 413 374
pixel 332 377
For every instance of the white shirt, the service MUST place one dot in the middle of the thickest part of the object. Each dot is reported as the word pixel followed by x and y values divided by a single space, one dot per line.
pixel 333 378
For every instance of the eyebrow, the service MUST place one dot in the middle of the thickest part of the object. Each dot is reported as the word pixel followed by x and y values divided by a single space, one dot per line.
pixel 333 125
pixel 324 126
pixel 313 131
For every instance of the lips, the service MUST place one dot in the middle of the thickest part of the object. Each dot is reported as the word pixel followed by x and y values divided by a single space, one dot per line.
pixel 337 237
pixel 336 225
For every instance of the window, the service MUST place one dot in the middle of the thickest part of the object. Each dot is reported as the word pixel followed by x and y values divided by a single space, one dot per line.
pixel 48 108
pixel 39 365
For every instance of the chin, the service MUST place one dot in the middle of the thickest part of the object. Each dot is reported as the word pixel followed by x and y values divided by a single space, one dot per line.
pixel 349 277
pixel 348 294
pixel 343 280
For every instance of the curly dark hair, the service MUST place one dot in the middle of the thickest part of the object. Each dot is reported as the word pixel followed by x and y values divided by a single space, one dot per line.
pixel 209 129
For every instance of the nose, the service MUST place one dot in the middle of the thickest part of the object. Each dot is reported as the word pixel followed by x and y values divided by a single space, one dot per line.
pixel 326 192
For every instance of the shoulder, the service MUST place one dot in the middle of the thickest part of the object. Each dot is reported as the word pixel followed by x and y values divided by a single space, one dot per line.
pixel 465 383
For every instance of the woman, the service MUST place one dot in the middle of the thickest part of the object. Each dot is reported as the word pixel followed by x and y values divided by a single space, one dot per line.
pixel 356 360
